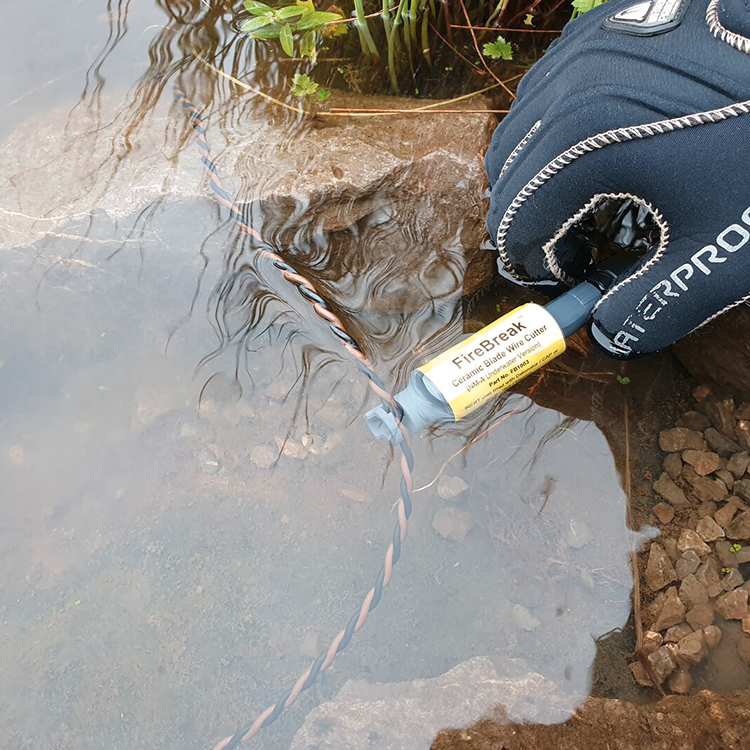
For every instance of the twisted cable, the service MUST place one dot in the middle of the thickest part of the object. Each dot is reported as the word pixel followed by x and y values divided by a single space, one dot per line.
pixel 404 507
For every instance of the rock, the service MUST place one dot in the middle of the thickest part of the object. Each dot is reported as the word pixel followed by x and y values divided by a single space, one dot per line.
pixel 705 489
pixel 677 632
pixel 663 512
pixel 663 663
pixel 659 569
pixel 209 461
pixel 733 606
pixel 652 641
pixel 742 411
pixel 732 580
pixel 709 530
pixel 739 528
pixel 746 624
pixel 706 509
pixel 694 420
pixel 724 515
pixel 700 616
pixel 291 448
pixel 264 456
pixel 639 674
pixel 727 556
pixel 721 444
pixel 692 591
pixel 738 462
pixel 703 462
pixel 453 524
pixel 727 477
pixel 708 575
pixel 712 636
pixel 672 611
pixel 670 491
pixel 670 546
pixel 721 414
pixel 523 618
pixel 579 534
pixel 691 649
pixel 680 439
pixel 743 434
pixel 743 649
pixel 687 564
pixel 450 488
pixel 742 488
pixel 690 539
pixel 672 464
pixel 701 393
pixel 680 681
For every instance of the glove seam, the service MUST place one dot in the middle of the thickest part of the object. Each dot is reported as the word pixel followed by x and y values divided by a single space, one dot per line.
pixel 598 141
pixel 715 26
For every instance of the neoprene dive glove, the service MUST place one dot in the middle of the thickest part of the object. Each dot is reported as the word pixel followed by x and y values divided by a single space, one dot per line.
pixel 642 100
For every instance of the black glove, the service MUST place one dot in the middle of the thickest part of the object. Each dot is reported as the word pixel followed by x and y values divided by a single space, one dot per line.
pixel 657 110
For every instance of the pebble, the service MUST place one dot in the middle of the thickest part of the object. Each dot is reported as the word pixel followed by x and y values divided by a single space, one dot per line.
pixel 701 393
pixel 709 530
pixel 579 534
pixel 706 489
pixel 733 606
pixel 690 539
pixel 692 591
pixel 721 444
pixel 523 618
pixel 663 663
pixel 639 674
pixel 453 524
pixel 708 575
pixel 743 434
pixel 730 558
pixel 712 636
pixel 672 611
pixel 652 641
pixel 721 414
pixel 743 649
pixel 664 513
pixel 291 448
pixel 724 515
pixel 680 439
pixel 694 420
pixel 706 509
pixel 687 564
pixel 737 464
pixel 742 488
pixel 732 580
pixel 691 649
pixel 701 615
pixel 659 569
pixel 727 477
pixel 703 462
pixel 670 491
pixel 450 488
pixel 672 464
pixel 746 624
pixel 680 681
pixel 677 632
pixel 739 528
pixel 263 456
pixel 209 461
pixel 743 411
pixel 670 545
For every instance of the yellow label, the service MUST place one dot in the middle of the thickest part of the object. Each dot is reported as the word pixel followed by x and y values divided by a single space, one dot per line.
pixel 495 358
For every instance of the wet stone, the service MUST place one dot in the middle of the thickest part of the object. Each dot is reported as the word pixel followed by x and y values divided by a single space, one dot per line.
pixel 743 649
pixel 449 488
pixel 677 632
pixel 690 539
pixel 652 641
pixel 691 649
pixel 706 509
pixel 709 530
pixel 263 456
pixel 742 488
pixel 721 444
pixel 712 636
pixel 659 569
pixel 672 611
pixel 672 464
pixel 680 681
pixel 687 564
pixel 452 524
pixel 694 420
pixel 738 462
pixel 670 491
pixel 724 515
pixel 680 439
pixel 732 580
pixel 739 527
pixel 721 414
pixel 209 461
pixel 664 513
pixel 292 449
pixel 692 591
pixel 733 606
pixel 579 534
pixel 704 462
pixel 701 615
pixel 523 618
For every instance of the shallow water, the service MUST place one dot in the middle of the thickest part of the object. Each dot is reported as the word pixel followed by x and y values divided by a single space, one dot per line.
pixel 159 587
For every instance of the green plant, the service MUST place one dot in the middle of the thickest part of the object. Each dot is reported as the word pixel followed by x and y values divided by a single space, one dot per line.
pixel 581 6
pixel 735 548
pixel 726 571
pixel 623 380
pixel 498 50
pixel 303 86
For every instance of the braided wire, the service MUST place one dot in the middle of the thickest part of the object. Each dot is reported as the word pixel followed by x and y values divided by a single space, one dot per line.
pixel 404 507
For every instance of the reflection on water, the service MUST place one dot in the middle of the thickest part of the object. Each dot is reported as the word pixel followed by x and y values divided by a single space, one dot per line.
pixel 192 503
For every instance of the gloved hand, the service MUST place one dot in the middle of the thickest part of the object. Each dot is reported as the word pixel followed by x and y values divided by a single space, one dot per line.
pixel 661 119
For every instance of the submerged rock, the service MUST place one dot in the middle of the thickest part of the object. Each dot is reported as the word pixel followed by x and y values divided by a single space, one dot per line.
pixel 450 488
pixel 453 524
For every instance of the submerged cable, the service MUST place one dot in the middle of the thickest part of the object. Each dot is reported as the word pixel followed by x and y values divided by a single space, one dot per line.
pixel 404 506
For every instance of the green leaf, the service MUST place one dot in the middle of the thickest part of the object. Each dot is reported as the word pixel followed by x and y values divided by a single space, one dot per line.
pixel 323 94
pixel 313 19
pixel 529 20
pixel 498 50
pixel 582 6
pixel 308 47
pixel 256 8
pixel 302 85
pixel 257 23
pixel 290 11
pixel 287 40
pixel 623 380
